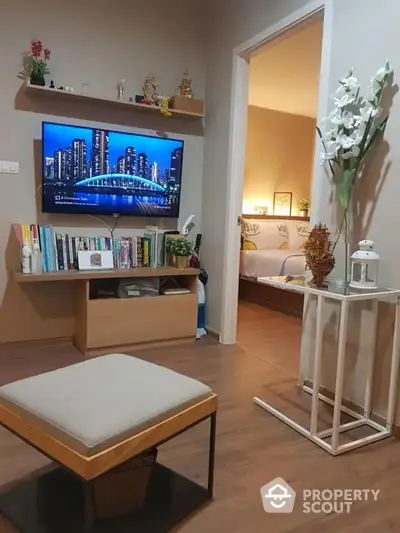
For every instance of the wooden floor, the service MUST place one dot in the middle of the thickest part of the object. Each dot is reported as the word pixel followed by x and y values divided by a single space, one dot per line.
pixel 252 447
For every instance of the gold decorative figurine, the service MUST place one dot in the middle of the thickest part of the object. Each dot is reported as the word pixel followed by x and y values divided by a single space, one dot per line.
pixel 185 88
pixel 150 90
pixel 318 253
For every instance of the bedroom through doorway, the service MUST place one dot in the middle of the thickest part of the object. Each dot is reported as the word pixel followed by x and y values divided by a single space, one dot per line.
pixel 280 149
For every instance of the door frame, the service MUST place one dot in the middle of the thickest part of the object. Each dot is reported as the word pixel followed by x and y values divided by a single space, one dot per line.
pixel 237 148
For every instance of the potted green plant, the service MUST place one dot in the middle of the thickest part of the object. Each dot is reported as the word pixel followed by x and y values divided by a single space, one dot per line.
pixel 181 249
pixel 304 206
pixel 35 63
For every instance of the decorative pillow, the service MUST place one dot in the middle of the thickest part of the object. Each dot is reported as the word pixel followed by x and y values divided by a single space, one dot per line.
pixel 264 234
pixel 298 234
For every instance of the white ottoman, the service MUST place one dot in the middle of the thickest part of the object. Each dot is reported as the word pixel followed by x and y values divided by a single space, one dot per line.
pixel 93 416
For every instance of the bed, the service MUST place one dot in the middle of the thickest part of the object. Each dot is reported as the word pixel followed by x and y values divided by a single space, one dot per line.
pixel 262 263
pixel 272 246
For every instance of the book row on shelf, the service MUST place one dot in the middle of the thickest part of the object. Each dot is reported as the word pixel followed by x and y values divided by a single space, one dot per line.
pixel 60 250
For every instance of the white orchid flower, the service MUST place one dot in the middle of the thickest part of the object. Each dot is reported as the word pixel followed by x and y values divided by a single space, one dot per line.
pixel 371 94
pixel 353 152
pixel 358 137
pixel 337 119
pixel 368 111
pixel 327 156
pixel 376 84
pixel 345 100
pixel 383 72
pixel 332 149
pixel 348 120
pixel 345 141
pixel 350 83
pixel 350 126
pixel 340 91
pixel 330 135
pixel 358 134
pixel 334 113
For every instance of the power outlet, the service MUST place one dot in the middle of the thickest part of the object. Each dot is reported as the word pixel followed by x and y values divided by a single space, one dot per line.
pixel 9 167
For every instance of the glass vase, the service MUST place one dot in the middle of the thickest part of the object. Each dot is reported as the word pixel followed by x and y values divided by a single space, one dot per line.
pixel 342 269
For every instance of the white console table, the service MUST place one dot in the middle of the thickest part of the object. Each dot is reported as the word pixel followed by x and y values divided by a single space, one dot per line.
pixel 346 296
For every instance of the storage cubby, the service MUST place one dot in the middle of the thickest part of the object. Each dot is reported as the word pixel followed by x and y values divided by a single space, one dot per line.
pixel 108 320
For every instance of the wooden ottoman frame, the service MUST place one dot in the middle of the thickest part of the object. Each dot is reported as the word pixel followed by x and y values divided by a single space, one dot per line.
pixel 89 468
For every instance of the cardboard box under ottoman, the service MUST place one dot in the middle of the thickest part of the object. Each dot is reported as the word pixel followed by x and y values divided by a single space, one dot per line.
pixel 95 418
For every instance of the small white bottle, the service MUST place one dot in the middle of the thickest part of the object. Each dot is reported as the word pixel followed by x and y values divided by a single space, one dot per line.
pixel 36 259
pixel 26 254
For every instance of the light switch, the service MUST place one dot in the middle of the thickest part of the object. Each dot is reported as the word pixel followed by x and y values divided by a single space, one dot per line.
pixel 14 168
pixel 9 167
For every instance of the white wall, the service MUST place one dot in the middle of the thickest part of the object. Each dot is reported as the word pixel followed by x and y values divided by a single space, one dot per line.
pixel 234 21
pixel 355 26
pixel 375 201
pixel 96 43
pixel 279 157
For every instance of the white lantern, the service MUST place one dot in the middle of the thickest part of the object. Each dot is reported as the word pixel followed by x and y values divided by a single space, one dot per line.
pixel 364 267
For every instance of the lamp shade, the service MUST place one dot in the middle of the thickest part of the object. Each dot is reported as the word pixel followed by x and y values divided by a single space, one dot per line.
pixel 364 266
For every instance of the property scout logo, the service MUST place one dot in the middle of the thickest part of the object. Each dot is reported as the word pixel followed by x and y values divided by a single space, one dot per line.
pixel 279 497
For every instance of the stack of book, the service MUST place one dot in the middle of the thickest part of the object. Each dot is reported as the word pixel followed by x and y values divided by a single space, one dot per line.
pixel 60 251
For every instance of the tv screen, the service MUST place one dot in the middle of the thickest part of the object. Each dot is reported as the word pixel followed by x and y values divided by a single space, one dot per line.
pixel 102 172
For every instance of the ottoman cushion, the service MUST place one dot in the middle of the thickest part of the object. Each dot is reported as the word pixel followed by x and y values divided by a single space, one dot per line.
pixel 93 405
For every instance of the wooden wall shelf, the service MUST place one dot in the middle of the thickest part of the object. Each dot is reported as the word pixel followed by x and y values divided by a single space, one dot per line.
pixel 46 92
pixel 72 275
pixel 276 217
pixel 108 325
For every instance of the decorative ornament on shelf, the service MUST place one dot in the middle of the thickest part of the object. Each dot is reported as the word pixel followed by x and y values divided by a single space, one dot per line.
pixel 163 102
pixel 260 209
pixel 149 87
pixel 350 131
pixel 121 89
pixel 188 225
pixel 35 63
pixel 319 255
pixel 304 206
pixel 364 267
pixel 185 88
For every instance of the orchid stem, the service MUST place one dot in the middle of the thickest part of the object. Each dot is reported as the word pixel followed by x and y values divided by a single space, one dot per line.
pixel 343 223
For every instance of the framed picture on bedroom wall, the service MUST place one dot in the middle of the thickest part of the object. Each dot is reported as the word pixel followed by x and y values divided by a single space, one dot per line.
pixel 283 204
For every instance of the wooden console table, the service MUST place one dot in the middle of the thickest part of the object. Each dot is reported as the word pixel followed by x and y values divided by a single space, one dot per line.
pixel 104 325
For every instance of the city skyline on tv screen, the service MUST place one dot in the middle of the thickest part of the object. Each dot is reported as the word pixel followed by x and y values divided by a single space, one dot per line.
pixel 92 170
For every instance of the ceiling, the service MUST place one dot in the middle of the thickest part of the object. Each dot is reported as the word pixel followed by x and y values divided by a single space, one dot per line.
pixel 284 74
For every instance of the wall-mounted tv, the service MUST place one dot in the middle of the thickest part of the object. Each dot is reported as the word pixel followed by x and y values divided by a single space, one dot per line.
pixel 103 172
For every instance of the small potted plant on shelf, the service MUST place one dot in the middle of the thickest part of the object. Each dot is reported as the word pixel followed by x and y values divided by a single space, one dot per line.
pixel 304 206
pixel 181 249
pixel 35 63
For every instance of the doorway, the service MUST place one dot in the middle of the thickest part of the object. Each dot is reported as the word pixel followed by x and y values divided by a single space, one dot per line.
pixel 279 159
pixel 316 10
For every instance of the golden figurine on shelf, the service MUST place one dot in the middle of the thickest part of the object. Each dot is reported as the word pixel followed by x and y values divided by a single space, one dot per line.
pixel 319 255
pixel 185 88
pixel 149 88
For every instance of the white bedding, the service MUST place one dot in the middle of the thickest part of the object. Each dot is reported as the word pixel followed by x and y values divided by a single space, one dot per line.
pixel 262 263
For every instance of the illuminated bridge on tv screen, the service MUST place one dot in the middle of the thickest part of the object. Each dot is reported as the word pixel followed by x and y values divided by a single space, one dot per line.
pixel 121 181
